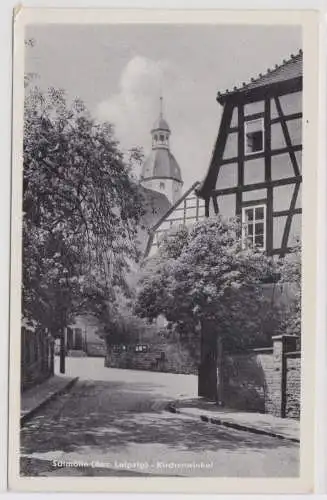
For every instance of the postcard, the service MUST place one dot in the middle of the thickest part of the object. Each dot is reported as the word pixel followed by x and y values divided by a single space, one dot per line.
pixel 163 254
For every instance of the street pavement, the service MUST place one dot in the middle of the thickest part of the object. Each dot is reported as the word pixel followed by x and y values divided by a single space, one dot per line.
pixel 114 423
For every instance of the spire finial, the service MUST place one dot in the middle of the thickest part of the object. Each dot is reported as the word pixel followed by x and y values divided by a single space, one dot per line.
pixel 161 105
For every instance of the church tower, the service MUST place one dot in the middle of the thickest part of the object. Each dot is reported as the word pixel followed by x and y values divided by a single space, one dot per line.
pixel 160 171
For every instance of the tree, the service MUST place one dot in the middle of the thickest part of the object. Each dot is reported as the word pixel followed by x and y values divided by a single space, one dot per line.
pixel 81 210
pixel 201 278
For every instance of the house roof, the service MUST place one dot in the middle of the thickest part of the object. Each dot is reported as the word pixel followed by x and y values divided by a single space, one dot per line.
pixel 166 214
pixel 155 206
pixel 287 70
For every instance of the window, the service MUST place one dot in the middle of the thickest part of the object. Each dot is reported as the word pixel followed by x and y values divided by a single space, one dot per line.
pixel 254 226
pixel 162 185
pixel 162 137
pixel 254 136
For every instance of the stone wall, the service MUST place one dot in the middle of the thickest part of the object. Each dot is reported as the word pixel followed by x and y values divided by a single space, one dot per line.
pixel 96 349
pixel 293 385
pixel 264 380
pixel 37 357
pixel 160 354
pixel 247 377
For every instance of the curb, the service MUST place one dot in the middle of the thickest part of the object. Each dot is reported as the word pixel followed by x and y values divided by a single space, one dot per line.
pixel 30 414
pixel 217 421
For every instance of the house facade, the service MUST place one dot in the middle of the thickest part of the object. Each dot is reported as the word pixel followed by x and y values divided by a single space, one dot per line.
pixel 187 210
pixel 82 338
pixel 255 174
pixel 255 170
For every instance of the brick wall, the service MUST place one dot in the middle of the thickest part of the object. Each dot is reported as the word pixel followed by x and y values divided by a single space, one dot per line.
pixel 160 355
pixel 37 357
pixel 264 380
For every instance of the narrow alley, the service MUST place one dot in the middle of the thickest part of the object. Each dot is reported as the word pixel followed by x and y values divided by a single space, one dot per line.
pixel 114 422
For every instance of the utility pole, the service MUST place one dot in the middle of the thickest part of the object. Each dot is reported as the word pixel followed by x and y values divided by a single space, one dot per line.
pixel 220 373
pixel 62 351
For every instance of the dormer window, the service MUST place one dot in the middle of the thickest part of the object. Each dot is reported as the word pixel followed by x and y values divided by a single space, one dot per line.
pixel 162 185
pixel 254 136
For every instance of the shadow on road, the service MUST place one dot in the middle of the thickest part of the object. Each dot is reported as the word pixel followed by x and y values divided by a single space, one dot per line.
pixel 112 415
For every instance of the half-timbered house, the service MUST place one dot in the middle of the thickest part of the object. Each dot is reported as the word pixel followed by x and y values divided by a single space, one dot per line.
pixel 187 210
pixel 255 173
pixel 255 170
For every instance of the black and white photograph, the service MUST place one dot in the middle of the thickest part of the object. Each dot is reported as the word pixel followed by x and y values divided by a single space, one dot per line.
pixel 159 332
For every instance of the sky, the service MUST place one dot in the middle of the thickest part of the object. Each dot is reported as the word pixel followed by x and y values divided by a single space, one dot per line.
pixel 120 71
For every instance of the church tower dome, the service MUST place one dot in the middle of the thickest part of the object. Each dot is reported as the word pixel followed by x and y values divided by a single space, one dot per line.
pixel 160 171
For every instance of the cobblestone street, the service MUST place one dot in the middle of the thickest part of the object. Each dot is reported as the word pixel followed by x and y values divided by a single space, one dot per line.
pixel 113 422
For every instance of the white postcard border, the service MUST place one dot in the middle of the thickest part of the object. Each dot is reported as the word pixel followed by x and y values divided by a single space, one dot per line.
pixel 309 21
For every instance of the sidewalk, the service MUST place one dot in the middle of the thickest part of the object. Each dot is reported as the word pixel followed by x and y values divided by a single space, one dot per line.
pixel 258 423
pixel 35 398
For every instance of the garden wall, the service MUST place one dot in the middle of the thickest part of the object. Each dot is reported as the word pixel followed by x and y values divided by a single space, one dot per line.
pixel 265 380
pixel 37 357
pixel 165 355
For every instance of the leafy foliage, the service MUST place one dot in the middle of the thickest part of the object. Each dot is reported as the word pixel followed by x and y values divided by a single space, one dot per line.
pixel 81 210
pixel 123 326
pixel 202 279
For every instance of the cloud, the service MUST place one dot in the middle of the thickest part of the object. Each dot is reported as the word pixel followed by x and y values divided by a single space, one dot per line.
pixel 135 107
pixel 190 113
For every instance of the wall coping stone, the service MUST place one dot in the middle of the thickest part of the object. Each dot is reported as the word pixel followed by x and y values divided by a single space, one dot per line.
pixel 284 336
pixel 293 354
pixel 267 350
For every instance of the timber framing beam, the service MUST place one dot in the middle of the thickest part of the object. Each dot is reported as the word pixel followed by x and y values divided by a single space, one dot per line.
pixel 289 220
pixel 287 137
pixel 259 185
pixel 255 156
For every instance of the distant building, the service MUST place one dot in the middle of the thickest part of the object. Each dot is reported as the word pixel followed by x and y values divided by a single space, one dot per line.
pixel 161 176
pixel 187 210
pixel 161 171
pixel 82 338
pixel 155 205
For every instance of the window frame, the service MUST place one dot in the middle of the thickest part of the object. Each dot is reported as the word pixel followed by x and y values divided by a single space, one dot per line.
pixel 247 152
pixel 255 221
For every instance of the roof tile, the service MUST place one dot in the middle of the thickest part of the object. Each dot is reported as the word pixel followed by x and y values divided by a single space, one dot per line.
pixel 289 69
